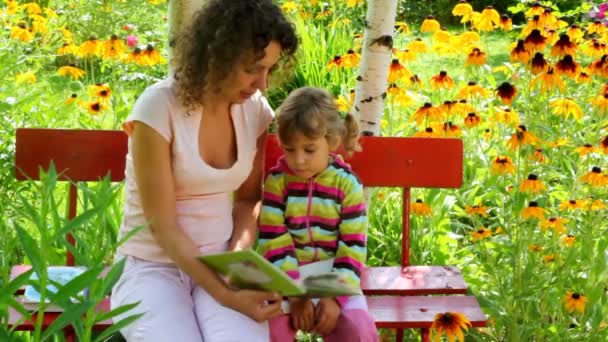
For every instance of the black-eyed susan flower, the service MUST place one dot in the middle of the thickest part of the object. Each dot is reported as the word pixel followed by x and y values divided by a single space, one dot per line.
pixel 538 64
pixel 430 24
pixel 506 92
pixel 594 48
pixel 67 49
pixel 566 107
pixel 71 99
pixel 535 41
pixel 469 38
pixel 417 46
pixel 567 66
pixel 596 27
pixel 601 103
pixel 535 248
pixel 488 19
pixel 135 56
pixel 22 32
pixel 519 53
pixel 538 156
pixel 521 137
pixel 582 77
pixel 535 9
pixel 575 301
pixel 351 59
pixel 399 95
pixel 404 55
pixel 476 57
pixel 533 211
pixel 533 23
pixel 487 134
pixel 151 56
pixel 442 80
pixel 420 208
pixel 568 240
pixel 91 47
pixel 94 107
pixel 448 107
pixel 472 89
pixel 336 62
pixel 505 23
pixel 416 81
pixel 427 113
pixel 476 210
pixel 450 130
pixel 113 48
pixel 428 132
pixel 481 233
pixel 472 120
pixel 342 104
pixel 548 19
pixel 563 47
pixel 101 91
pixel 506 116
pixel 397 71
pixel 549 81
pixel 502 165
pixel 462 8
pixel 575 33
pixel 573 204
pixel 32 8
pixel 585 149
pixel 549 258
pixel 452 323
pixel 595 177
pixel 442 35
pixel 25 77
pixel 555 223
pixel 401 27
pixel 71 70
pixel 462 107
pixel 604 144
pixel 532 185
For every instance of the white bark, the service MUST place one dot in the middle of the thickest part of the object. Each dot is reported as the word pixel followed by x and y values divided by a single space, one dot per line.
pixel 180 15
pixel 370 91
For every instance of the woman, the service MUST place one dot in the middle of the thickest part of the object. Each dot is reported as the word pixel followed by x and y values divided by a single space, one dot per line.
pixel 193 177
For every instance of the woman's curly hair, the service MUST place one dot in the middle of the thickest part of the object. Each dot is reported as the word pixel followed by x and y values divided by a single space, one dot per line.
pixel 220 35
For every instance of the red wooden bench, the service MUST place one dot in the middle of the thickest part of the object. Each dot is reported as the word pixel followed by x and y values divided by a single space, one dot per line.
pixel 88 155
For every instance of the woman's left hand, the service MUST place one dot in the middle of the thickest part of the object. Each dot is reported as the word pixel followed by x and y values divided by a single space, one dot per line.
pixel 327 313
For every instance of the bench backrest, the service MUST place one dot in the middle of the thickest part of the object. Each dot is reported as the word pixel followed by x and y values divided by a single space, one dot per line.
pixel 88 155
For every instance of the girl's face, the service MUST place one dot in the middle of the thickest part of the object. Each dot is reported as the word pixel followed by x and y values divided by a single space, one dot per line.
pixel 251 75
pixel 307 157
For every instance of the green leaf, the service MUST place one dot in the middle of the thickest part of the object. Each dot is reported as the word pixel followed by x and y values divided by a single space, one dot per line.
pixel 71 314
pixel 76 222
pixel 71 288
pixel 31 248
pixel 117 326
pixel 115 312
pixel 112 276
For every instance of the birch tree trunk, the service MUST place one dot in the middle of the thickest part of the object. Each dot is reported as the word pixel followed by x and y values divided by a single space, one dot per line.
pixel 370 91
pixel 180 15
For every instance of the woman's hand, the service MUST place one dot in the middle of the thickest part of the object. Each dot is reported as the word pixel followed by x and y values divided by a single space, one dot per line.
pixel 302 313
pixel 327 313
pixel 258 305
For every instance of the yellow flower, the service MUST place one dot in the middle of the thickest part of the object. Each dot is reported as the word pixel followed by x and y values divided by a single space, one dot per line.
pixel 597 205
pixel 520 53
pixel 89 48
pixel 535 248
pixel 481 234
pixel 442 80
pixel 573 204
pixel 575 302
pixel 71 99
pixel 595 177
pixel 585 149
pixel 604 144
pixel 289 7
pixel 601 103
pixel 502 165
pixel 417 45
pixel 114 48
pixel 472 120
pixel 563 47
pixel 533 211
pixel 506 116
pixel 72 71
pixel 351 59
pixel 430 24
pixel 353 3
pixel 549 258
pixel 452 324
pixel 67 49
pixel 22 33
pixel 472 89
pixel 428 112
pixel 402 27
pixel 476 210
pixel 462 8
pixel 476 57
pixel 506 92
pixel 566 107
pixel 568 240
pixel 101 91
pixel 397 71
pixel 521 137
pixel 26 77
pixel 555 223
pixel 428 132
pixel 420 208
pixel 95 107
pixel 550 81
pixel 532 185
pixel 151 56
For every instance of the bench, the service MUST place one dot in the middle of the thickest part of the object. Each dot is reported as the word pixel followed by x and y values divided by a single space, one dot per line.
pixel 398 296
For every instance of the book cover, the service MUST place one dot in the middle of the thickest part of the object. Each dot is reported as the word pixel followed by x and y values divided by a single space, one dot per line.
pixel 248 270
pixel 60 274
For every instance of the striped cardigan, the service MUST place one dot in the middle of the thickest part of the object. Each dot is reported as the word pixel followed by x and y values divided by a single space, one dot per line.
pixel 307 220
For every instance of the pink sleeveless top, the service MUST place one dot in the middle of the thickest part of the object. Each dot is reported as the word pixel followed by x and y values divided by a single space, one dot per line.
pixel 203 193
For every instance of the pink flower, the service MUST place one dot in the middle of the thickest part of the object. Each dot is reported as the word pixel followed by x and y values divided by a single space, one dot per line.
pixel 131 40
pixel 601 13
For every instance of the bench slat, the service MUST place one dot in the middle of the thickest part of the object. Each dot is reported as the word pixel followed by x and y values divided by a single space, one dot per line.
pixel 412 280
pixel 16 319
pixel 412 312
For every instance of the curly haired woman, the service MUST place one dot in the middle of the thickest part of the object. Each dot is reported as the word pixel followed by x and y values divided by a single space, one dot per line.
pixel 193 177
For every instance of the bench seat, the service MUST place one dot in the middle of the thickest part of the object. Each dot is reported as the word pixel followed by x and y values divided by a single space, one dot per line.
pixel 412 280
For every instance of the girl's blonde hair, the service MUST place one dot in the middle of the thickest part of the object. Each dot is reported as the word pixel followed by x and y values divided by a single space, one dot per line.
pixel 313 112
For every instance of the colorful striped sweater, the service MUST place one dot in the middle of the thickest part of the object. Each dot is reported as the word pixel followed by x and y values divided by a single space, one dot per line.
pixel 307 220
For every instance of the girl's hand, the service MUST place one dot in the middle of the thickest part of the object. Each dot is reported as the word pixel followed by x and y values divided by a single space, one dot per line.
pixel 327 313
pixel 302 313
pixel 258 305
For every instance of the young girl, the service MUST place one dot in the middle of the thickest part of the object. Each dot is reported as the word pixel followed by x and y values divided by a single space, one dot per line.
pixel 313 210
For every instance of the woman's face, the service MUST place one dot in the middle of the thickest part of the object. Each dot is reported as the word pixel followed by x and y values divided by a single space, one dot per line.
pixel 251 75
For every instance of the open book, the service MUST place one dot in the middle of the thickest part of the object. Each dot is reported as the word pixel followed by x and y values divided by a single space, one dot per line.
pixel 59 274
pixel 248 270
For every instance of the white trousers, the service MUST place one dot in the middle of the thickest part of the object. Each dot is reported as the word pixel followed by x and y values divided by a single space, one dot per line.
pixel 175 309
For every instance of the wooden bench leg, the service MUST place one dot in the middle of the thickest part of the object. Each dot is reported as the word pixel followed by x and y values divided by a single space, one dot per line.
pixel 425 335
pixel 399 335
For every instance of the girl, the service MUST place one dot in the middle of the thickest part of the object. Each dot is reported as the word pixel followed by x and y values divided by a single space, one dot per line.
pixel 313 210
